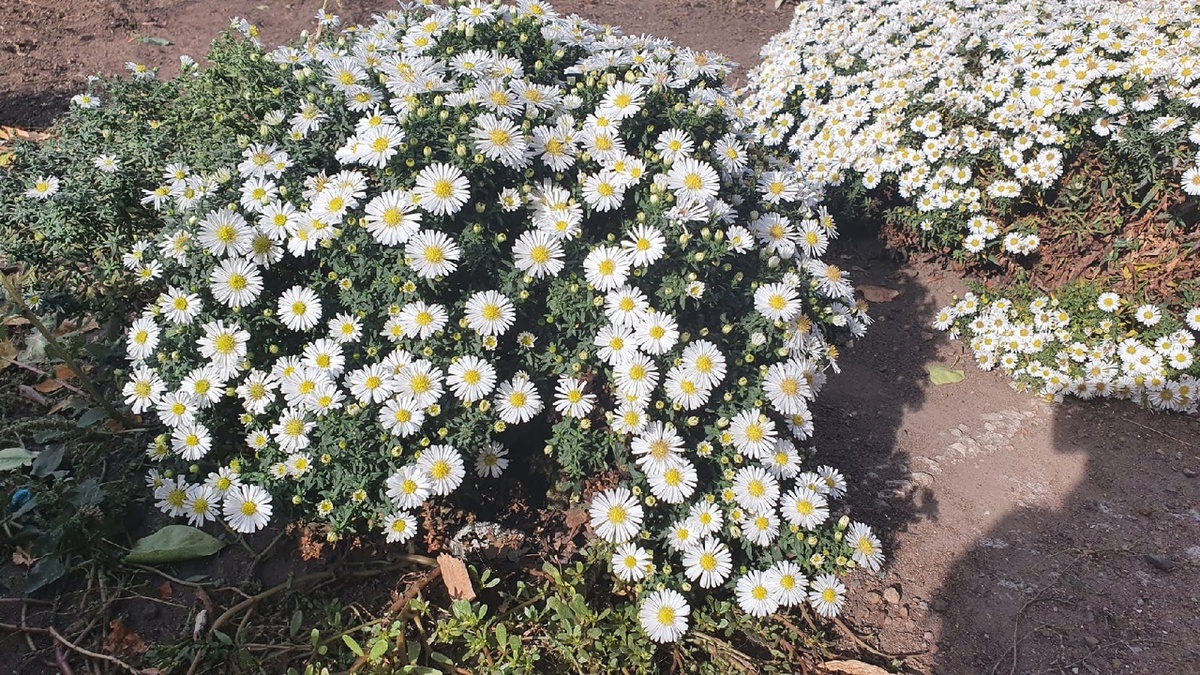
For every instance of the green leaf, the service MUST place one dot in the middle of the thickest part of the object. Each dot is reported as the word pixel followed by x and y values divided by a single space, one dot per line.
pixel 377 650
pixel 46 571
pixel 47 461
pixel 939 374
pixel 353 645
pixel 161 42
pixel 14 458
pixel 91 417
pixel 172 544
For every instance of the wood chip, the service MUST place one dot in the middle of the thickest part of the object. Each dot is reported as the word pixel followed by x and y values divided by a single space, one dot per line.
pixel 878 293
pixel 851 667
pixel 456 578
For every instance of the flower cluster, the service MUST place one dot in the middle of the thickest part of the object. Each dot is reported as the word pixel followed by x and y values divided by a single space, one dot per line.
pixel 994 128
pixel 970 110
pixel 1103 348
pixel 480 233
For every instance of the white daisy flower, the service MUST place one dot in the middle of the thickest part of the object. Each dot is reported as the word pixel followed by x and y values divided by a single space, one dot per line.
pixel 656 333
pixel 706 518
pixel 760 529
pixel 224 233
pixel 299 308
pixel 492 461
pixel 392 218
pixel 409 487
pixel 636 376
pixel 616 515
pixel 399 527
pixel 704 361
pixel 291 430
pixel 471 378
pixel 1108 302
pixel 432 254
pixel 708 563
pixel 501 139
pixel 177 408
pixel 755 490
pixel 171 496
pixel 626 306
pixel 645 245
pixel 674 144
pixel 202 504
pixel 753 596
pixel 1148 315
pixel 606 267
pixel 421 380
pixel 444 467
pixel 787 388
pixel 664 615
pixel 43 188
pixel 142 339
pixel 143 390
pixel 538 254
pixel 247 508
pixel 631 562
pixel 603 191
pixel 442 189
pixel 753 433
pixel 490 313
pixel 570 399
pixel 517 400
pixel 693 181
pixel 827 595
pixel 224 346
pixel 401 416
pixel 804 508
pixel 778 302
pixel 786 583
pixel 345 328
pixel 867 550
pixel 421 320
pixel 675 483
pixel 235 282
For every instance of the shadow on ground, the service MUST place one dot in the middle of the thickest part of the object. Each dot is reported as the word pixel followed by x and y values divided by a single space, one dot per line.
pixel 860 413
pixel 1103 579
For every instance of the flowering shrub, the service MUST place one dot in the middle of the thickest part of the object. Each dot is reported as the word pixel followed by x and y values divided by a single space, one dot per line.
pixel 1039 142
pixel 474 237
pixel 1083 344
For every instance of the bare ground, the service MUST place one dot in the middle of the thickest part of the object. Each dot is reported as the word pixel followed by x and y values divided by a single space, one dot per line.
pixel 1024 537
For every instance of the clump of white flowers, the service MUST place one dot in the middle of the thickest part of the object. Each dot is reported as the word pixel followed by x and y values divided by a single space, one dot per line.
pixel 1106 348
pixel 488 234
pixel 993 128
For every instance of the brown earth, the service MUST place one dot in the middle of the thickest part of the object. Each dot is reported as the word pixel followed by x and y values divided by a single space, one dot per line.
pixel 1024 537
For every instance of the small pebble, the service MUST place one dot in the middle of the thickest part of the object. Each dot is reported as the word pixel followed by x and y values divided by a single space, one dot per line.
pixel 892 595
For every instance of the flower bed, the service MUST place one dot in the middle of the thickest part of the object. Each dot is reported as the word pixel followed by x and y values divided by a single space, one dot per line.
pixel 1037 144
pixel 465 240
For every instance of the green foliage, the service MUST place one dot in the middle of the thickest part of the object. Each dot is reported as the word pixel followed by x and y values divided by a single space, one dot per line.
pixel 72 243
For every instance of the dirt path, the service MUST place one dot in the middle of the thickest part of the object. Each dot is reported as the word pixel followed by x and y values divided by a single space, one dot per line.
pixel 1024 537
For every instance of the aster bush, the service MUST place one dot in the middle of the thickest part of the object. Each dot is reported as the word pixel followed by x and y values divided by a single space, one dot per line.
pixel 1039 144
pixel 480 238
